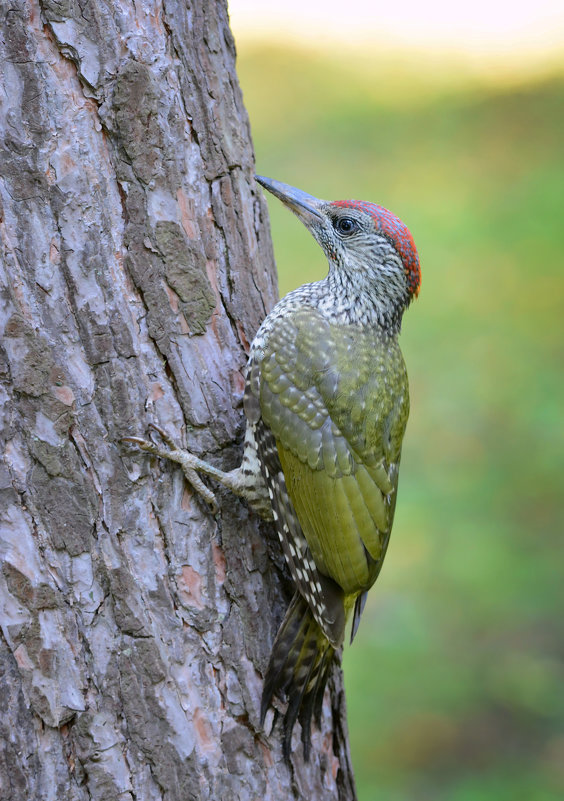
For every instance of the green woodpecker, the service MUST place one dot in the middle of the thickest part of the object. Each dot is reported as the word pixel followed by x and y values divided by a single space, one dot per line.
pixel 326 402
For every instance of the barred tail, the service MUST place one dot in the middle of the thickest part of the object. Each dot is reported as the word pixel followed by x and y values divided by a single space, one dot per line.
pixel 298 671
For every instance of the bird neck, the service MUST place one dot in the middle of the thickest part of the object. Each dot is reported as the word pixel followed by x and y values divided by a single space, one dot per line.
pixel 354 298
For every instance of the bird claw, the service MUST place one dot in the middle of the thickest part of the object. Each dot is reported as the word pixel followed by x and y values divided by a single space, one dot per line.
pixel 190 464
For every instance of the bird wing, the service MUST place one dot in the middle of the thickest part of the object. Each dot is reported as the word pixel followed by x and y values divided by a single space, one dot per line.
pixel 333 408
pixel 324 597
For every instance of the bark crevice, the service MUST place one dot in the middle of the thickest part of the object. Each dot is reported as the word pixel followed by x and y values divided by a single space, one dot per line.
pixel 135 268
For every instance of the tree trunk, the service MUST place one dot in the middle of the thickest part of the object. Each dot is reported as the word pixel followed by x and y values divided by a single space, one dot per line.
pixel 136 268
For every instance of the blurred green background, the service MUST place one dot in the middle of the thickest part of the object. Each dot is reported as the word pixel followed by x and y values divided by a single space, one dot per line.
pixel 455 683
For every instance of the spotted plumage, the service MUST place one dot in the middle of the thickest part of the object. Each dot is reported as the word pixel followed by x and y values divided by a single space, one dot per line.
pixel 398 233
pixel 329 388
pixel 326 403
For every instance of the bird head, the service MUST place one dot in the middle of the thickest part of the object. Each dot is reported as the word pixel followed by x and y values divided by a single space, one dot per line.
pixel 366 245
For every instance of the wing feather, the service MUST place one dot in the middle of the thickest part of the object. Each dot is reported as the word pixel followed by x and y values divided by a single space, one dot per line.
pixel 337 435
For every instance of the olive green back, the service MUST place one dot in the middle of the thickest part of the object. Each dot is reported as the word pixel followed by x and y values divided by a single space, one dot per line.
pixel 336 400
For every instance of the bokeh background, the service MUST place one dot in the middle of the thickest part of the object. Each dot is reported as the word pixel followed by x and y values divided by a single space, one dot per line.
pixel 454 119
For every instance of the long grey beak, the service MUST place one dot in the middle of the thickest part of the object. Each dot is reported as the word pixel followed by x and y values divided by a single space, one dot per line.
pixel 305 206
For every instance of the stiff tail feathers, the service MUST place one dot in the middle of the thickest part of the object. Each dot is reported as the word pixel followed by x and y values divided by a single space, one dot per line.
pixel 298 671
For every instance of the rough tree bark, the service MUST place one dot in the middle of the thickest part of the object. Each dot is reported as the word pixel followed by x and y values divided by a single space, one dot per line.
pixel 136 267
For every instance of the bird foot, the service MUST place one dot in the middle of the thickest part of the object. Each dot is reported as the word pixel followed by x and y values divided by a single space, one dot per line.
pixel 189 463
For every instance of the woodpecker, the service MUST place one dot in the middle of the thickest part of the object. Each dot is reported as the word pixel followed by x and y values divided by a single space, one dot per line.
pixel 326 402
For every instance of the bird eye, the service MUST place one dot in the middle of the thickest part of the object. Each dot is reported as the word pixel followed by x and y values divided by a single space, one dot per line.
pixel 344 225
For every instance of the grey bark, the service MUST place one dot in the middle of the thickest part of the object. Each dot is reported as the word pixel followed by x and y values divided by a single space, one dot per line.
pixel 136 266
